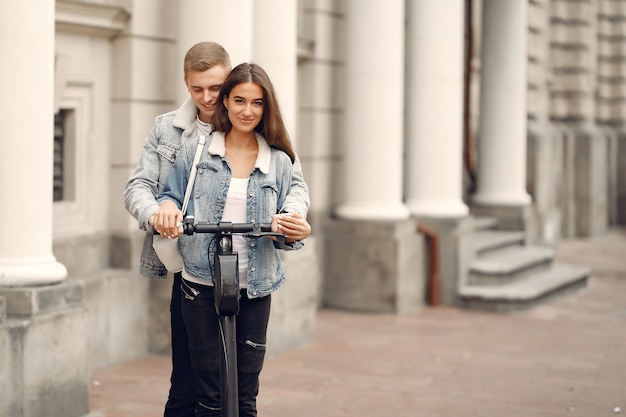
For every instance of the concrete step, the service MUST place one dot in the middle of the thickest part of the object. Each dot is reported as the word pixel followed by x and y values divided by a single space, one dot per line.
pixel 524 293
pixel 509 264
pixel 485 223
pixel 484 241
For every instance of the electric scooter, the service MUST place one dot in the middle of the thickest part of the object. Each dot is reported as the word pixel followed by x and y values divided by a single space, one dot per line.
pixel 227 295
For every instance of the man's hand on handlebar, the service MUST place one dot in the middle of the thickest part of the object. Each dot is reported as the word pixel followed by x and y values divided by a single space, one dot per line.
pixel 168 220
pixel 292 225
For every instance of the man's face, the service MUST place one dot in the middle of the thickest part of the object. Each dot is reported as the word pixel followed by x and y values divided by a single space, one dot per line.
pixel 204 87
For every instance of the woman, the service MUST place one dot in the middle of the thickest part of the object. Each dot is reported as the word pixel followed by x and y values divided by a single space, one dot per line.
pixel 244 175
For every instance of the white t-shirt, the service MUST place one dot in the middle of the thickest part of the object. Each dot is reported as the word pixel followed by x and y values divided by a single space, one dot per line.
pixel 204 129
pixel 235 211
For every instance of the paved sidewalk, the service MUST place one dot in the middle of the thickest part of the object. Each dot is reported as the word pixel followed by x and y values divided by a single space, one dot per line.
pixel 564 358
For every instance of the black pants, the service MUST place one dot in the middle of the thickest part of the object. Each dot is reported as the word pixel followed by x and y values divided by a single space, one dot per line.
pixel 181 401
pixel 202 324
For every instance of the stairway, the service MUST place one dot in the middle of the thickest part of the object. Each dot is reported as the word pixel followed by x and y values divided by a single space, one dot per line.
pixel 506 274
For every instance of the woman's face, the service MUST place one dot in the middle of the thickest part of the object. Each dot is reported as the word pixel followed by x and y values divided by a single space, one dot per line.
pixel 245 106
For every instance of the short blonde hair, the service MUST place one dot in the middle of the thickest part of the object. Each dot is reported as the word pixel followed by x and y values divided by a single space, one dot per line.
pixel 205 55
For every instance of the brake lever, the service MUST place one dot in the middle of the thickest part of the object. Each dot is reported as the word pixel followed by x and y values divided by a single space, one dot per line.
pixel 280 238
pixel 280 242
pixel 257 234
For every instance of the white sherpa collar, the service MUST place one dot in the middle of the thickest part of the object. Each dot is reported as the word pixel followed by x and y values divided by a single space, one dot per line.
pixel 186 115
pixel 263 158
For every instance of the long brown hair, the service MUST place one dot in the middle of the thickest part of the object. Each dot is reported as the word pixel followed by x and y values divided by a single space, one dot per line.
pixel 271 125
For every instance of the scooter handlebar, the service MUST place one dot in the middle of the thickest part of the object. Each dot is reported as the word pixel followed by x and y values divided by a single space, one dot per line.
pixel 249 229
pixel 252 230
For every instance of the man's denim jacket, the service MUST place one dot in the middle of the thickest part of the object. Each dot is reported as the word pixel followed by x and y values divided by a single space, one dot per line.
pixel 269 187
pixel 159 152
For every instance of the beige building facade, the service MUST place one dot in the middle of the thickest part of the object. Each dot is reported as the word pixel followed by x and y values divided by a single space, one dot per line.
pixel 449 145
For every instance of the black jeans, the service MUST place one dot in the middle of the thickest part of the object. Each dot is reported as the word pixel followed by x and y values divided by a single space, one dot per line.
pixel 181 401
pixel 202 324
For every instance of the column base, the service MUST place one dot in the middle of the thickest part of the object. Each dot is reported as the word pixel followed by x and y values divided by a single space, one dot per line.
pixel 448 209
pixel 31 272
pixel 621 179
pixel 502 198
pixel 390 211
pixel 590 177
pixel 295 304
pixel 373 266
pixel 453 254
pixel 43 369
pixel 509 217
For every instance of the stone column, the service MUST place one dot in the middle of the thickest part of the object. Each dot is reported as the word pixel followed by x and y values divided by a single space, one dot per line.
pixel 501 184
pixel 264 33
pixel 294 307
pixel 374 112
pixel 435 108
pixel 42 321
pixel 373 252
pixel 577 99
pixel 276 51
pixel 230 23
pixel 435 54
pixel 27 103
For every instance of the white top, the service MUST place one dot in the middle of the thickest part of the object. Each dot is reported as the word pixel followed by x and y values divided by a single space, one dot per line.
pixel 204 129
pixel 235 211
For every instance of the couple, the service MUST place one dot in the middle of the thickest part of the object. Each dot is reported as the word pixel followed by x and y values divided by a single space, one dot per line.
pixel 248 172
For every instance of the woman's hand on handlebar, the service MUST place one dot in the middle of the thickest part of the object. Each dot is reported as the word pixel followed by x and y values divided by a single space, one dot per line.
pixel 292 225
pixel 168 220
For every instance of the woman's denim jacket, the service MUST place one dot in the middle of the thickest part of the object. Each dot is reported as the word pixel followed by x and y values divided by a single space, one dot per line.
pixel 159 152
pixel 269 186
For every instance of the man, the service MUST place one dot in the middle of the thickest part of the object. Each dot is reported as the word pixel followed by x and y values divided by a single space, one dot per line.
pixel 206 66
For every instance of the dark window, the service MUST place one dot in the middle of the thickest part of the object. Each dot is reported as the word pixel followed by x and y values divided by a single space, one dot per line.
pixel 59 145
pixel 64 169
